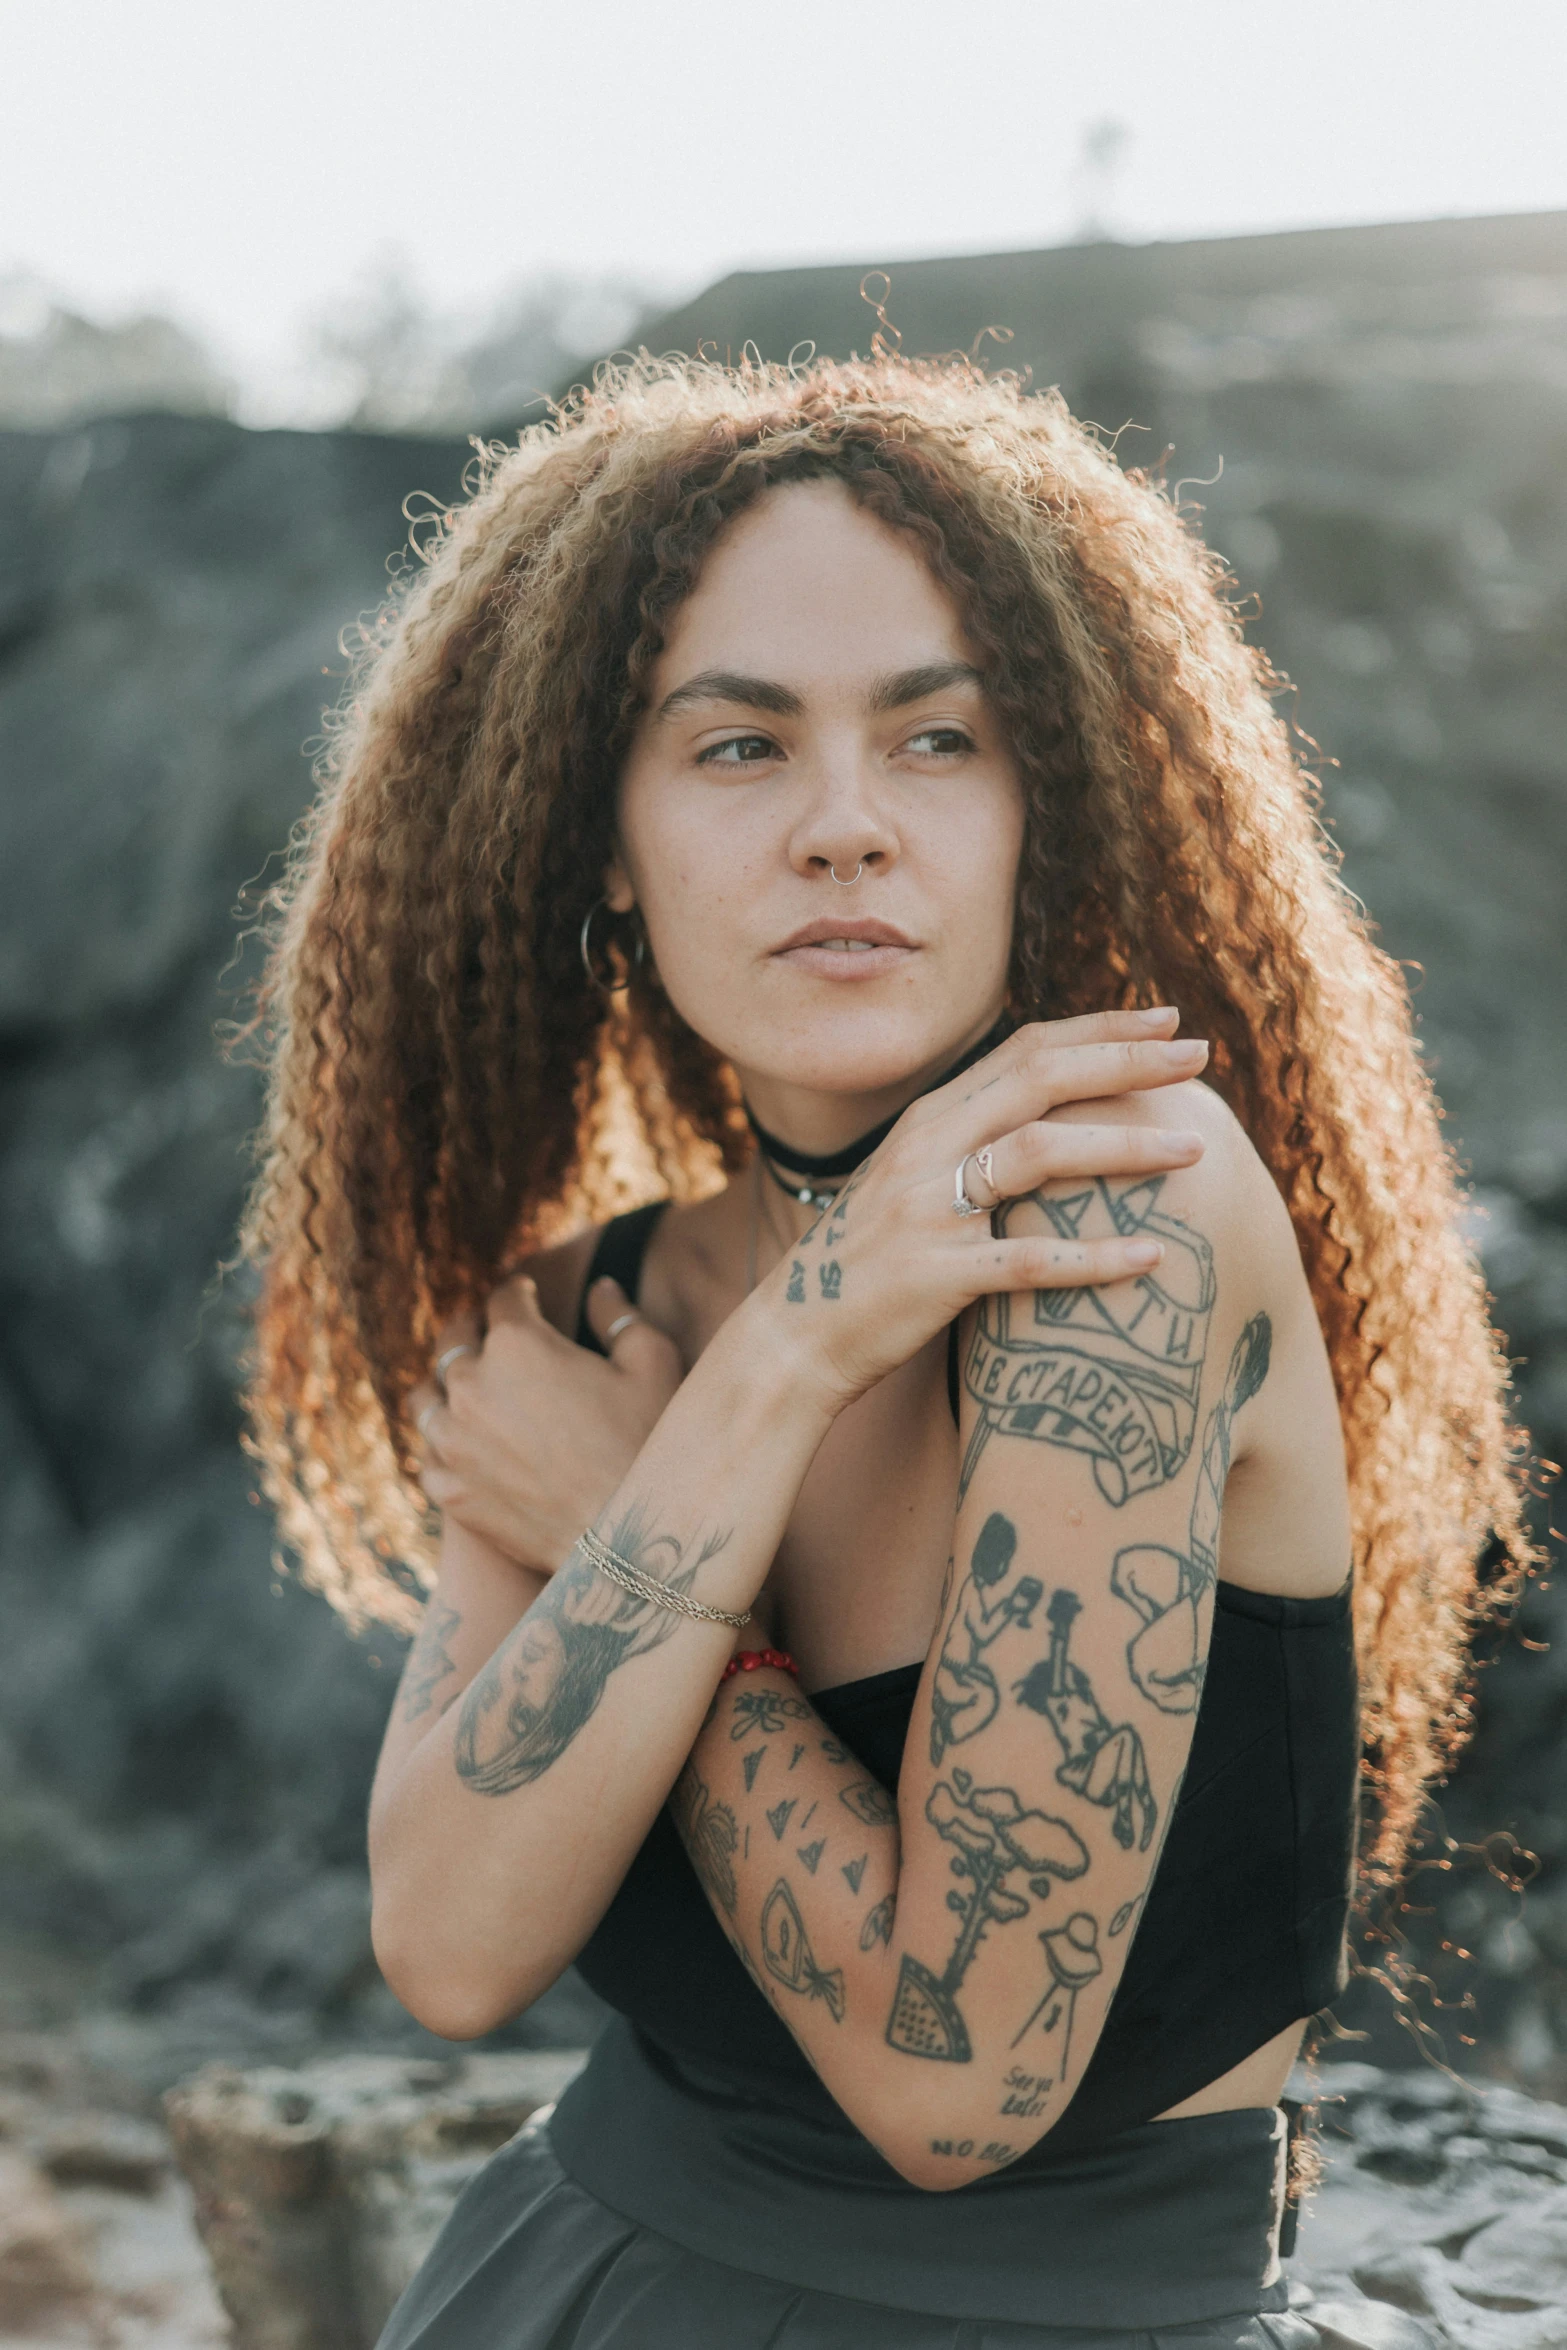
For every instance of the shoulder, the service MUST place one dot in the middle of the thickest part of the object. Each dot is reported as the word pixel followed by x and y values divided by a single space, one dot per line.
pixel 1227 1198
pixel 1164 1383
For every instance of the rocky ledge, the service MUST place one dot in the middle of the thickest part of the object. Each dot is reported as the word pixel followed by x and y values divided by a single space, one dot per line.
pixel 1441 2217
pixel 1439 2223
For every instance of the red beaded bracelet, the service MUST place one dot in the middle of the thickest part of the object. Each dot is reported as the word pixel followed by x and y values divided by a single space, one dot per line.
pixel 746 1660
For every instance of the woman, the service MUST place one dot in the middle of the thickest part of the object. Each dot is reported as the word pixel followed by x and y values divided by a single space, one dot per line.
pixel 822 783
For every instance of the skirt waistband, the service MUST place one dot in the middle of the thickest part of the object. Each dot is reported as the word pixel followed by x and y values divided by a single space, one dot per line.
pixel 1164 2225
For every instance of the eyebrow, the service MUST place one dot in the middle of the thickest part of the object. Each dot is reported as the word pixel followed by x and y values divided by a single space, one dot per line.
pixel 893 691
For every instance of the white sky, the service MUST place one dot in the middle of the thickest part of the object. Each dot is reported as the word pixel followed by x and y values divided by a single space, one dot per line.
pixel 240 166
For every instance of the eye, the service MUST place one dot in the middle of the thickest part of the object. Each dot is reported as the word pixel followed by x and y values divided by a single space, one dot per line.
pixel 940 742
pixel 738 750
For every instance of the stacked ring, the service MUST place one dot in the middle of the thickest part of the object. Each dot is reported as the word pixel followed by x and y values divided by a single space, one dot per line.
pixel 443 1360
pixel 963 1201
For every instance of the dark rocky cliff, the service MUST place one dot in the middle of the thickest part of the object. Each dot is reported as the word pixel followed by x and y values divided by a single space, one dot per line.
pixel 186 1740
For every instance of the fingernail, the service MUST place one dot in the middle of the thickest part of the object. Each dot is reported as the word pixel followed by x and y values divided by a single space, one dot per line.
pixel 1143 1252
pixel 1158 1018
pixel 607 1281
pixel 1173 1140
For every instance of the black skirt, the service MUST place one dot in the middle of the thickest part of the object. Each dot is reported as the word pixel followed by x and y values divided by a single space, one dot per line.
pixel 656 2210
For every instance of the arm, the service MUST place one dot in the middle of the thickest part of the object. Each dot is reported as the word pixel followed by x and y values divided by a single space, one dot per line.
pixel 501 1838
pixel 518 1462
pixel 947 1964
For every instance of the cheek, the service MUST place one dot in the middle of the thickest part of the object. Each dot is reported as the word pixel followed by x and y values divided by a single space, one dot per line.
pixel 972 851
pixel 693 878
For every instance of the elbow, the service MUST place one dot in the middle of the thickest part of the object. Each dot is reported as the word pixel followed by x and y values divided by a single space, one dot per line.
pixel 922 2169
pixel 451 1997
pixel 937 2155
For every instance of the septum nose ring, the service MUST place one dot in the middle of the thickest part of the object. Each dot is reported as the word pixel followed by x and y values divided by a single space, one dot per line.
pixel 853 877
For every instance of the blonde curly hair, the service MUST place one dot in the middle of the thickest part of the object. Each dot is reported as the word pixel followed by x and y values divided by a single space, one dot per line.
pixel 447 1090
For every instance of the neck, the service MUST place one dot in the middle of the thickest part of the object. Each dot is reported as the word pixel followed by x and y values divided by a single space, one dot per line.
pixel 821 1138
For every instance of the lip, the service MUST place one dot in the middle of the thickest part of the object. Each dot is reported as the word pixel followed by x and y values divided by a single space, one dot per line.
pixel 814 934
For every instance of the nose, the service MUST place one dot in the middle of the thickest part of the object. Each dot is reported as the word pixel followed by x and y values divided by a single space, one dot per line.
pixel 846 832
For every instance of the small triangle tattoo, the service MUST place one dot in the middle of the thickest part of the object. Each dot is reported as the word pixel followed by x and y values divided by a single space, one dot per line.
pixel 751 1764
pixel 778 1817
pixel 854 1870
pixel 812 1853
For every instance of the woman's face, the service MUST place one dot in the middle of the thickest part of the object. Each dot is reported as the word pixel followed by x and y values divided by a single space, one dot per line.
pixel 817 706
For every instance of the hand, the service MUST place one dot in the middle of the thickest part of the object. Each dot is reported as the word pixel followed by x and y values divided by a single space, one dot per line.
pixel 534 1433
pixel 889 1263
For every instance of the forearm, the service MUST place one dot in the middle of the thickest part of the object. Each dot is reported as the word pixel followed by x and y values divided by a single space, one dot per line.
pixel 863 1929
pixel 508 1828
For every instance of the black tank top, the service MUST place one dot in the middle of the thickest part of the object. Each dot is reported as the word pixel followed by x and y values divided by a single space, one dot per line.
pixel 1243 1930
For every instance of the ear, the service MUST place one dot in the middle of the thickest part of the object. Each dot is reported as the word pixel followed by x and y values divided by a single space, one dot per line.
pixel 617 887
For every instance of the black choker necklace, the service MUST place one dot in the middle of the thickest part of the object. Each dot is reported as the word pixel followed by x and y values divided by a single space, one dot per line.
pixel 824 1172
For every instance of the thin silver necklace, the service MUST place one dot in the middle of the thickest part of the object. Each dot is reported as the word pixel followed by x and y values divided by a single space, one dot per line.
pixel 805 1196
pixel 809 1195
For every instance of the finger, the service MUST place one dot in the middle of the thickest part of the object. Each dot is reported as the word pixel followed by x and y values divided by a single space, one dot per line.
pixel 1046 1151
pixel 1059 1264
pixel 441 1488
pixel 426 1409
pixel 611 1313
pixel 1020 1048
pixel 633 1345
pixel 516 1301
pixel 464 1329
pixel 1089 1028
pixel 1053 1074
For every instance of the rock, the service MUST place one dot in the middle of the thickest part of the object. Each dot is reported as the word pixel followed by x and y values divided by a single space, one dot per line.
pixel 1366 2325
pixel 1464 2243
pixel 43 2265
pixel 318 2192
pixel 1519 2261
pixel 104 2150
pixel 255 2153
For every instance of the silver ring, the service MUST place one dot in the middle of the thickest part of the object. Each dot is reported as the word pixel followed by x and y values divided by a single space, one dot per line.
pixel 442 1361
pixel 621 1322
pixel 962 1203
pixel 853 877
pixel 424 1432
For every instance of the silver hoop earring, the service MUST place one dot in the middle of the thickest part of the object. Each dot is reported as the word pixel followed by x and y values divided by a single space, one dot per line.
pixel 853 877
pixel 633 963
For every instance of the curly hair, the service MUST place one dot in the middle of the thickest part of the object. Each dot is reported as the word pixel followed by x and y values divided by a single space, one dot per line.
pixel 447 1090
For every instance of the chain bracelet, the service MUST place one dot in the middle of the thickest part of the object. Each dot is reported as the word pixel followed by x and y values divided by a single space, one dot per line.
pixel 609 1562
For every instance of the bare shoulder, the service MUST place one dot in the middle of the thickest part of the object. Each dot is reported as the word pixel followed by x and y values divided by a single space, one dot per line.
pixel 1212 1363
pixel 1228 1194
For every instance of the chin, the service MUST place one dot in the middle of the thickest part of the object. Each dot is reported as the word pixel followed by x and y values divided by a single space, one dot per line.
pixel 856 1049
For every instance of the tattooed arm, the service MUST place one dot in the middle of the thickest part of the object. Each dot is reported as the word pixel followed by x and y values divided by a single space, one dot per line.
pixel 500 1838
pixel 947 1963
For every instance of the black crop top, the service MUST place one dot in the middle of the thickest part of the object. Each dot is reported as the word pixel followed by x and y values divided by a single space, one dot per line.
pixel 1243 1930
